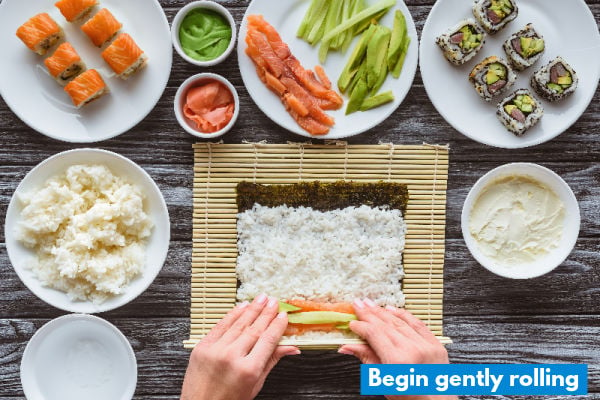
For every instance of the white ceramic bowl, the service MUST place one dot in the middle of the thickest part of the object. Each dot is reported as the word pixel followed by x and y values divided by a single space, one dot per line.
pixel 78 356
pixel 197 80
pixel 209 5
pixel 156 246
pixel 570 228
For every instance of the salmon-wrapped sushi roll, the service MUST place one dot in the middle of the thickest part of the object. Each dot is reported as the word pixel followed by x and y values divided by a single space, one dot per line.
pixel 86 87
pixel 75 10
pixel 65 64
pixel 102 27
pixel 124 56
pixel 40 33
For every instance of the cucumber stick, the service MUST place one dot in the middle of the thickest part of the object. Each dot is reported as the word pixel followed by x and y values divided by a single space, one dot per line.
pixel 320 317
pixel 365 14
pixel 285 307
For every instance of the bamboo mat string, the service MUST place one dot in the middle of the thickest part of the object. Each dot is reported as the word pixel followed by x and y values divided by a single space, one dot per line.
pixel 255 171
pixel 301 161
pixel 431 219
pixel 345 176
pixel 206 231
pixel 390 161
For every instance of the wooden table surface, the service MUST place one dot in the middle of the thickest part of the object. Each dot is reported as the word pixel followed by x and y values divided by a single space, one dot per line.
pixel 552 319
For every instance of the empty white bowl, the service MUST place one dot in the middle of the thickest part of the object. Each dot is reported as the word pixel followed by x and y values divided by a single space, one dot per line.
pixel 157 244
pixel 78 356
pixel 571 224
pixel 212 6
pixel 180 97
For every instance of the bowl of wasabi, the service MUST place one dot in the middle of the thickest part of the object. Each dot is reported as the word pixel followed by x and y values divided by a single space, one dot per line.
pixel 203 33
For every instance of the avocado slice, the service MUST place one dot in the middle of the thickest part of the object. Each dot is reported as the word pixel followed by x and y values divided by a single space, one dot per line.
pixel 491 77
pixel 377 100
pixel 357 96
pixel 565 80
pixel 377 55
pixel 555 87
pixel 320 317
pixel 285 307
pixel 509 108
pixel 356 59
pixel 399 31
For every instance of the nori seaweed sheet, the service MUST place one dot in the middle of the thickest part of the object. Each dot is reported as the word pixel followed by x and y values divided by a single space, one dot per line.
pixel 323 196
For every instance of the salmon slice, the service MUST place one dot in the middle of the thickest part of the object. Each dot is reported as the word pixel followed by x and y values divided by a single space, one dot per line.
pixel 275 84
pixel 74 10
pixel 293 103
pixel 102 27
pixel 308 100
pixel 311 84
pixel 274 64
pixel 124 55
pixel 309 305
pixel 65 64
pixel 253 52
pixel 86 87
pixel 299 329
pixel 279 46
pixel 40 33
pixel 322 76
pixel 309 124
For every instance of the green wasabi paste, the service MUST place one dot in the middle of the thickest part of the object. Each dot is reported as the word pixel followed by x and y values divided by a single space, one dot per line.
pixel 204 34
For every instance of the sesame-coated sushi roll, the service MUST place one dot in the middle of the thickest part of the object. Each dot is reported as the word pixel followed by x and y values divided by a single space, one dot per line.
pixel 461 42
pixel 40 33
pixel 65 64
pixel 124 56
pixel 524 48
pixel 102 27
pixel 555 81
pixel 519 111
pixel 491 77
pixel 494 15
pixel 86 87
pixel 75 10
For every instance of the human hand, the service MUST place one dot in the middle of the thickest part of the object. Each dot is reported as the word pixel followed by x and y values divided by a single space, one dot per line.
pixel 394 336
pixel 234 359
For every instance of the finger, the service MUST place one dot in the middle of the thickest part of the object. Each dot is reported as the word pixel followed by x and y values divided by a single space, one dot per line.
pixel 224 324
pixel 252 333
pixel 280 352
pixel 373 334
pixel 386 325
pixel 363 352
pixel 414 322
pixel 399 331
pixel 247 318
pixel 268 341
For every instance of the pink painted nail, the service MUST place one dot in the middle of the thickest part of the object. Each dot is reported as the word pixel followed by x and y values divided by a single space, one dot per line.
pixel 282 314
pixel 294 352
pixel 390 308
pixel 359 304
pixel 243 304
pixel 345 351
pixel 261 299
pixel 370 303
pixel 272 302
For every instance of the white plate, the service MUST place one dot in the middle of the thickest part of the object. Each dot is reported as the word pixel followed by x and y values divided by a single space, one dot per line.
pixel 570 229
pixel 156 246
pixel 570 31
pixel 41 103
pixel 76 357
pixel 286 16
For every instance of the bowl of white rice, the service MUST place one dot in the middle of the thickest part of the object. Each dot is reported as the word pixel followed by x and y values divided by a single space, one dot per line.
pixel 87 230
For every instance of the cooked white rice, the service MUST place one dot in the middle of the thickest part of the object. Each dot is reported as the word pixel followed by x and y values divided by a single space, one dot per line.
pixel 332 256
pixel 88 229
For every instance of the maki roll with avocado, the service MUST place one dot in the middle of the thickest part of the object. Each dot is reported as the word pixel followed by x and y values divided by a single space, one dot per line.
pixel 519 111
pixel 555 81
pixel 524 48
pixel 491 77
pixel 461 42
pixel 494 15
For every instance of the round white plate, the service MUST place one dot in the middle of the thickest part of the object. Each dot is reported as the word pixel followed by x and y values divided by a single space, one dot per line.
pixel 76 357
pixel 570 228
pixel 40 101
pixel 156 246
pixel 286 16
pixel 570 31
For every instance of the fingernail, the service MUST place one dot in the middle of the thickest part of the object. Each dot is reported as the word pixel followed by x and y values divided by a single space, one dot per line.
pixel 359 304
pixel 272 302
pixel 294 352
pixel 282 314
pixel 261 299
pixel 390 308
pixel 243 304
pixel 370 303
pixel 347 352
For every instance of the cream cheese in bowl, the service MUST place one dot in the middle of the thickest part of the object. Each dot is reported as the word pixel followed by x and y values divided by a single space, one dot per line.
pixel 517 220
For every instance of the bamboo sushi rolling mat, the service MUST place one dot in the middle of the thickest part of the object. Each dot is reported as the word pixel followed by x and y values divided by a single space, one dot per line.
pixel 218 168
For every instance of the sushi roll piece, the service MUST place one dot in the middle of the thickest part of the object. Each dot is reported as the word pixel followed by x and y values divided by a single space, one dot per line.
pixel 40 33
pixel 86 87
pixel 524 48
pixel 102 27
pixel 462 41
pixel 124 56
pixel 519 111
pixel 491 77
pixel 65 64
pixel 75 10
pixel 494 15
pixel 555 81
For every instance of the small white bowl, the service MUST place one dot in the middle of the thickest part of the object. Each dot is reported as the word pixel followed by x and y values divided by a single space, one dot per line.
pixel 157 244
pixel 78 356
pixel 571 225
pixel 209 5
pixel 197 80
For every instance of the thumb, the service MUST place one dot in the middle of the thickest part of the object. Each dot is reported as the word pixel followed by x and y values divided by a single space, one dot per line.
pixel 363 352
pixel 278 354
